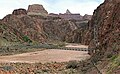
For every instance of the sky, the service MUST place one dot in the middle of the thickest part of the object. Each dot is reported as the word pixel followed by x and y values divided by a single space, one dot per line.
pixel 52 6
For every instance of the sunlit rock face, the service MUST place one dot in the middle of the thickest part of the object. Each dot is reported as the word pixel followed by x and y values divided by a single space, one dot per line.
pixel 72 16
pixel 36 9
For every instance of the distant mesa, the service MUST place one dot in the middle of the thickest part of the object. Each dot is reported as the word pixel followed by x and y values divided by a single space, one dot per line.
pixel 87 17
pixel 70 16
pixel 36 9
pixel 68 12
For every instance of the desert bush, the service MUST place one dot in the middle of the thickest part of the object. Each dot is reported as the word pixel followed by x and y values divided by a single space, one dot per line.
pixel 72 64
pixel 7 68
pixel 61 45
pixel 114 63
pixel 109 55
pixel 26 39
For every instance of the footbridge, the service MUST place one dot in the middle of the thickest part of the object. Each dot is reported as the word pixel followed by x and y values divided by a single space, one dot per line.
pixel 75 49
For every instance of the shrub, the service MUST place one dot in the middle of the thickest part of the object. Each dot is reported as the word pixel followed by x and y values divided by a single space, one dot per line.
pixel 7 68
pixel 109 55
pixel 72 64
pixel 26 39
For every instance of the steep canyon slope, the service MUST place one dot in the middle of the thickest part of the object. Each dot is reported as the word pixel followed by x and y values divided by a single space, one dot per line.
pixel 35 25
pixel 103 38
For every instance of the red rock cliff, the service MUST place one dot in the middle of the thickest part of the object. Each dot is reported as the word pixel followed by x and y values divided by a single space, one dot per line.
pixel 104 28
pixel 103 37
pixel 36 9
pixel 40 28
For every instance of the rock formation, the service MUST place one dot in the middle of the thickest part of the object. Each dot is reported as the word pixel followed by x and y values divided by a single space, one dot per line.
pixel 87 17
pixel 68 12
pixel 103 38
pixel 105 25
pixel 70 16
pixel 39 27
pixel 102 34
pixel 36 9
pixel 53 15
pixel 19 12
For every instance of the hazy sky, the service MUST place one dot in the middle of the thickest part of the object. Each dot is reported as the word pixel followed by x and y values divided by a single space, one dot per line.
pixel 54 6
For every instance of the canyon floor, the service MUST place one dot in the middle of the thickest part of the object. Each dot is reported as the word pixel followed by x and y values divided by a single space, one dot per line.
pixel 48 55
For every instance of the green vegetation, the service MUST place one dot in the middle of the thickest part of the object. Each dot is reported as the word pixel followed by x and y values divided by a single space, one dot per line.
pixel 2 42
pixel 5 43
pixel 7 68
pixel 62 44
pixel 18 48
pixel 27 39
pixel 114 63
pixel 3 27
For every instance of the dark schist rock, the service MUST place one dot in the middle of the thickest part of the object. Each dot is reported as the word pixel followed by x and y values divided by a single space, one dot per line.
pixel 112 1
pixel 19 12
pixel 103 36
pixel 106 21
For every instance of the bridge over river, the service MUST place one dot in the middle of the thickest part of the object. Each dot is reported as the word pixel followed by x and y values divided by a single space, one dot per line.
pixel 75 47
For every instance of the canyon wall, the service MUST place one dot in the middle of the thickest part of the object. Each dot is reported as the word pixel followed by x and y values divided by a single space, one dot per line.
pixel 38 27
pixel 103 38
pixel 104 27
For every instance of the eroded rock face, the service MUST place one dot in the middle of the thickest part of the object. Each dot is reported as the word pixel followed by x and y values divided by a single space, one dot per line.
pixel 19 12
pixel 106 22
pixel 104 36
pixel 36 9
pixel 113 1
pixel 106 18
pixel 41 28
pixel 87 17
pixel 25 26
pixel 62 30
